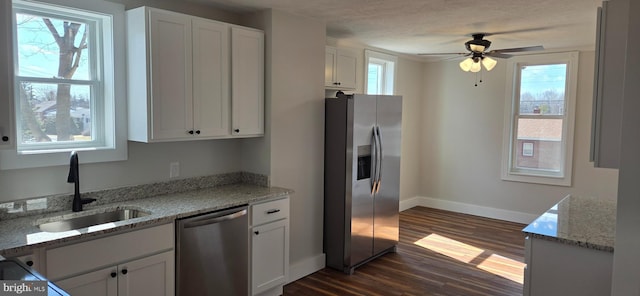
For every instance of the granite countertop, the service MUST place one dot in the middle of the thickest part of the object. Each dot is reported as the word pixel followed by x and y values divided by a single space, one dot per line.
pixel 578 220
pixel 21 234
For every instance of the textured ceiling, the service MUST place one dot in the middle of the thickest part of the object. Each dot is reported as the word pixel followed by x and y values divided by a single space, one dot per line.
pixel 434 26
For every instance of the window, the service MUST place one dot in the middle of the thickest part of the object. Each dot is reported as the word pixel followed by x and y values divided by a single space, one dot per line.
pixel 539 118
pixel 380 73
pixel 66 92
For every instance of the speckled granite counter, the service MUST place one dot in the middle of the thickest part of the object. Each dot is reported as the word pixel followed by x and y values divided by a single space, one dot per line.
pixel 21 234
pixel 578 220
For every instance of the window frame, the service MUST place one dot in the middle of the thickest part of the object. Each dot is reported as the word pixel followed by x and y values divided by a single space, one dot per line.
pixel 511 115
pixel 389 65
pixel 108 116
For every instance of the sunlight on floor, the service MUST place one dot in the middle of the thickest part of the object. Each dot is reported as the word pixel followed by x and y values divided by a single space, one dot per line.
pixel 448 247
pixel 499 265
pixel 502 266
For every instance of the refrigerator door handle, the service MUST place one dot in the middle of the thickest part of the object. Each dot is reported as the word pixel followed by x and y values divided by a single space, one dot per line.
pixel 380 156
pixel 374 159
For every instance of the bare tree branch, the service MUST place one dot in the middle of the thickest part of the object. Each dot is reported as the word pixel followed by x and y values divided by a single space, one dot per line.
pixel 78 53
pixel 53 30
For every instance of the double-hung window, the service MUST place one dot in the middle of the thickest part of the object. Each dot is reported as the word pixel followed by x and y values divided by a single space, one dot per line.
pixel 68 84
pixel 380 73
pixel 539 118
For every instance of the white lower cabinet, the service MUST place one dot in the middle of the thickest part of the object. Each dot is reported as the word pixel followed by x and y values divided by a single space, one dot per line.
pixel 269 247
pixel 151 275
pixel 560 269
pixel 136 263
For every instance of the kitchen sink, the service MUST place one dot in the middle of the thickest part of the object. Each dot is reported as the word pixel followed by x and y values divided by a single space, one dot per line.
pixel 91 220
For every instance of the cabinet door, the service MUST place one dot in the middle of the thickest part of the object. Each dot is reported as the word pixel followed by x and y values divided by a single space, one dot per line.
pixel 6 77
pixel 609 84
pixel 171 82
pixel 329 66
pixel 210 78
pixel 102 282
pixel 247 81
pixel 269 256
pixel 153 275
pixel 346 63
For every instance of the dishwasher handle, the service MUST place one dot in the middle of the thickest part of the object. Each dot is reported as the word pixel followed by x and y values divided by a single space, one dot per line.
pixel 214 218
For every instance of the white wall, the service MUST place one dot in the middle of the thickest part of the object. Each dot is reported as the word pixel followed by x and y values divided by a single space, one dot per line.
pixel 409 85
pixel 147 163
pixel 461 146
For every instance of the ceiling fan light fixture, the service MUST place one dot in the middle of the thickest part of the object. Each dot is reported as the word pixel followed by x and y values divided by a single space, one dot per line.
pixel 476 47
pixel 466 64
pixel 475 67
pixel 489 63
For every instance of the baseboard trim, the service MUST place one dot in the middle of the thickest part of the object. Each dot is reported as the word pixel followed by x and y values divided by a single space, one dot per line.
pixel 454 206
pixel 306 267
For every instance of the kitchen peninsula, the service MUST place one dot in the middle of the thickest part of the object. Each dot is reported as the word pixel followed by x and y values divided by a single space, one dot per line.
pixel 569 248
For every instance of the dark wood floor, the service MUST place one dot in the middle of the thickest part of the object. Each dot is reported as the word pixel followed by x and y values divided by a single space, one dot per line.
pixel 440 253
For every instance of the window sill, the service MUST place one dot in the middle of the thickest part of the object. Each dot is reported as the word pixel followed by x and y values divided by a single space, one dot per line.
pixel 537 179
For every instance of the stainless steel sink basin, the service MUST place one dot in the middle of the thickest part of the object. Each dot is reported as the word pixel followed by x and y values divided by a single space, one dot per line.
pixel 91 220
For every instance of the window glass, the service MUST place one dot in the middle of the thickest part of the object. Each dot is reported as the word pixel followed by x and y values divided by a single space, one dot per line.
pixel 39 53
pixel 542 89
pixel 380 73
pixel 374 81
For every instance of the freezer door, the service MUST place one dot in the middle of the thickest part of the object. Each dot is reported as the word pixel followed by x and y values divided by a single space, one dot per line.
pixel 364 118
pixel 386 207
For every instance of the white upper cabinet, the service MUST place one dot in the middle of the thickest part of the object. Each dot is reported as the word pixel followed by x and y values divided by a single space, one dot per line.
pixel 340 68
pixel 7 133
pixel 247 81
pixel 611 44
pixel 180 77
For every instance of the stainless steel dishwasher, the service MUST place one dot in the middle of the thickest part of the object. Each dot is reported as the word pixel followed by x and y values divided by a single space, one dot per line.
pixel 212 253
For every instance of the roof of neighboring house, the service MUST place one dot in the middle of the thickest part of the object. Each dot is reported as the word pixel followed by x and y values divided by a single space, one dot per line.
pixel 45 106
pixel 542 129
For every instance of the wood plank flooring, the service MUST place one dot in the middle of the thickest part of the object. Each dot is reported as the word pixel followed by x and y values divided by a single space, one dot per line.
pixel 440 253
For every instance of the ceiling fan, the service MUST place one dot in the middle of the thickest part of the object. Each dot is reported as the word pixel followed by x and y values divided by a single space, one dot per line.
pixel 479 53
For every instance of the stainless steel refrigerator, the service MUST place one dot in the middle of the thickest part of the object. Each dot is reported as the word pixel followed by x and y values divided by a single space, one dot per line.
pixel 362 178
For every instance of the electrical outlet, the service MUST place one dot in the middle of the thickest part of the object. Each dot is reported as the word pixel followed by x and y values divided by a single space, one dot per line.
pixel 174 169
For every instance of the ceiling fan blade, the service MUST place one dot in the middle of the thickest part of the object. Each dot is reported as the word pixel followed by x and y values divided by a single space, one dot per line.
pixel 444 53
pixel 519 49
pixel 494 54
pixel 521 30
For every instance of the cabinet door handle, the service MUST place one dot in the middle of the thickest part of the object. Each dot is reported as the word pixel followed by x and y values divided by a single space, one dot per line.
pixel 273 211
pixel 113 274
pixel 257 232
pixel 5 139
pixel 190 132
pixel 29 263
pixel 236 130
pixel 124 271
pixel 198 132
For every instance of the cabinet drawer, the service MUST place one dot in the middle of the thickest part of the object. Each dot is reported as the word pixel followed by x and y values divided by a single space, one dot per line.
pixel 90 255
pixel 269 211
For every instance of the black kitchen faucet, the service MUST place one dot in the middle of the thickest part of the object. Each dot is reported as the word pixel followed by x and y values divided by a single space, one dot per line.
pixel 74 177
